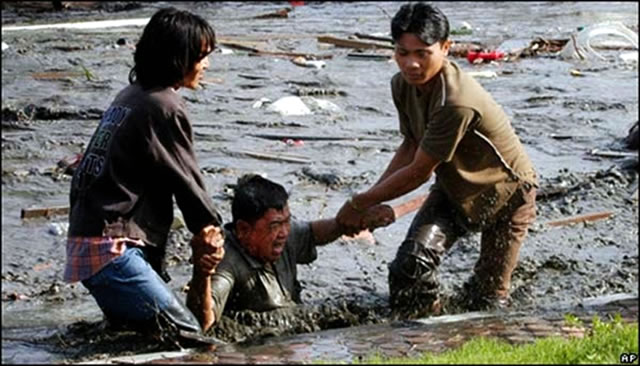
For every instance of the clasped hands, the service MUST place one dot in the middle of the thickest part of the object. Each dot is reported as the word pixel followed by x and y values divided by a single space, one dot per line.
pixel 207 249
pixel 353 220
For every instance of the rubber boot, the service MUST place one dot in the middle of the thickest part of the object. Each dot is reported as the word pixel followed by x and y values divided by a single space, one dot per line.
pixel 413 274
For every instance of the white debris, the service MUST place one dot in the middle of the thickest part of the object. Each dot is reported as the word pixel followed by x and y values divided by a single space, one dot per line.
pixel 261 102
pixel 483 74
pixel 301 61
pixel 225 51
pixel 321 105
pixel 289 106
pixel 629 57
pixel 58 228
pixel 579 46
pixel 465 25
pixel 4 46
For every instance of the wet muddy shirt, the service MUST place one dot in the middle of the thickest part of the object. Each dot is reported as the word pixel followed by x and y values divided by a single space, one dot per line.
pixel 140 157
pixel 457 122
pixel 242 282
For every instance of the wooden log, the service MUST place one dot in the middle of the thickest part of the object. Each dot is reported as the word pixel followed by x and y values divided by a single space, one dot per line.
pixel 349 43
pixel 30 213
pixel 580 218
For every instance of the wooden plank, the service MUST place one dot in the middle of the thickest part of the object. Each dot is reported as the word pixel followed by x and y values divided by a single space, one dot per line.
pixel 399 210
pixel 409 206
pixel 613 154
pixel 310 56
pixel 280 157
pixel 30 213
pixel 370 56
pixel 56 75
pixel 240 45
pixel 255 50
pixel 282 13
pixel 349 43
pixel 279 137
pixel 374 38
pixel 580 218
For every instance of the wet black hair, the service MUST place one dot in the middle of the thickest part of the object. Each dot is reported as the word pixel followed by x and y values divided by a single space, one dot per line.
pixel 254 196
pixel 170 46
pixel 427 22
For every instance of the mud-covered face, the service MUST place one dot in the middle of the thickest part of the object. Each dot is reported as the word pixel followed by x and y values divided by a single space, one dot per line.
pixel 418 62
pixel 266 239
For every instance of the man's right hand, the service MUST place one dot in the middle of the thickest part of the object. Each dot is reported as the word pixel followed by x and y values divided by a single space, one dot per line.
pixel 349 219
pixel 378 216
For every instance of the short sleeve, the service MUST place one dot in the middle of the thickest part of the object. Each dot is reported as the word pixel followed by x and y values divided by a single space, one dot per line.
pixel 403 117
pixel 222 282
pixel 445 130
pixel 302 242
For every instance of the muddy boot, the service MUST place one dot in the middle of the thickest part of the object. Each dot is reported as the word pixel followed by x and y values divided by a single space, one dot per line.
pixel 413 279
pixel 476 297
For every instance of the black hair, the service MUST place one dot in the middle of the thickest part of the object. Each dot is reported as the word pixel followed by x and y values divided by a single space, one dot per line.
pixel 254 196
pixel 427 22
pixel 170 46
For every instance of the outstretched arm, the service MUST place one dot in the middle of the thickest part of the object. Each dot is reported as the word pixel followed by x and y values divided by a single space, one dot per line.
pixel 403 181
pixel 328 230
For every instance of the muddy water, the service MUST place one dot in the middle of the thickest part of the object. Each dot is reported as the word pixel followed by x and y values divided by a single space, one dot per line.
pixel 45 120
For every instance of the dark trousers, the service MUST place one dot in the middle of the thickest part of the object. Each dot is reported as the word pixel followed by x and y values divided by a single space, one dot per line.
pixel 436 227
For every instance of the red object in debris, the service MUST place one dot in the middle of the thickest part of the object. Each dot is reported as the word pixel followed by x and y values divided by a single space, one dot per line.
pixel 296 3
pixel 291 142
pixel 485 56
pixel 69 164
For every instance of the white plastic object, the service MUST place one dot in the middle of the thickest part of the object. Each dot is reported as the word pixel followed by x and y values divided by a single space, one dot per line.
pixel 579 46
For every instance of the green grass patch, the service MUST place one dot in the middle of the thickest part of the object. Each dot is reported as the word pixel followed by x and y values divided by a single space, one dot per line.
pixel 602 344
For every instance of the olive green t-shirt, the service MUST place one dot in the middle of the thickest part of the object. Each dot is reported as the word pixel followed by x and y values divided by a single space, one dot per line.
pixel 241 282
pixel 457 122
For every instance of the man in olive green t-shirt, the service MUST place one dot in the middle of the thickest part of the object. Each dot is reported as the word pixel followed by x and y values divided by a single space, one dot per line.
pixel 484 179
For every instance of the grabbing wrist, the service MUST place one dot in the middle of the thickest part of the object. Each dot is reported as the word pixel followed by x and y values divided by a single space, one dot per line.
pixel 356 203
pixel 354 206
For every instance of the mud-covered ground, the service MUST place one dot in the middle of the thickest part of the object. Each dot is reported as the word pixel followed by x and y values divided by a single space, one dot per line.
pixel 56 83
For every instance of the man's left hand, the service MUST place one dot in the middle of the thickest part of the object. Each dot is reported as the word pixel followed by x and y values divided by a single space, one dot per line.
pixel 208 248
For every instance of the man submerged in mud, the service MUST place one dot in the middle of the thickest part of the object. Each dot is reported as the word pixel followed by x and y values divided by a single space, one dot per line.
pixel 141 157
pixel 262 248
pixel 484 179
